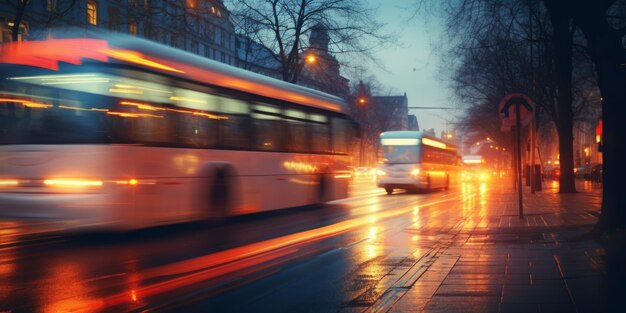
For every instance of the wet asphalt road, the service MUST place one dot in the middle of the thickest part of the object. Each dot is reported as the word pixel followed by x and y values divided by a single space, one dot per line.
pixel 317 259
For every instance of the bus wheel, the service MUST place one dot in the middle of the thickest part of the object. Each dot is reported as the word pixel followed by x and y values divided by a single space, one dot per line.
pixel 323 188
pixel 389 190
pixel 219 201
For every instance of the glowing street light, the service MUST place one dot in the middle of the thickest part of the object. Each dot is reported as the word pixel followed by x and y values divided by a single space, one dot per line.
pixel 311 59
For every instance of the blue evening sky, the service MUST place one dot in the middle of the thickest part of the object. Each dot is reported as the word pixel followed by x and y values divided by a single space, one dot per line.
pixel 413 66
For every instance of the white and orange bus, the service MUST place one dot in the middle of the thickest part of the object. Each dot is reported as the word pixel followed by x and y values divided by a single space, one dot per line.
pixel 121 132
pixel 413 160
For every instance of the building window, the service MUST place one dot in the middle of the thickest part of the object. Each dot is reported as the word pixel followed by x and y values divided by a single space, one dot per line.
pixel 194 46
pixel 147 29
pixel 51 5
pixel 132 26
pixel 114 19
pixel 92 12
pixel 173 41
pixel 217 32
pixel 133 3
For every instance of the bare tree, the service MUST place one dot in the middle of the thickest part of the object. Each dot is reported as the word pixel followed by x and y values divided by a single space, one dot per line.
pixel 54 10
pixel 604 26
pixel 372 116
pixel 282 26
pixel 512 48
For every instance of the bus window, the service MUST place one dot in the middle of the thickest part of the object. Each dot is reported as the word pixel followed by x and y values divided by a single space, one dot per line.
pixel 234 106
pixel 266 123
pixel 234 131
pixel 342 135
pixel 319 133
pixel 136 125
pixel 194 100
pixel 39 115
pixel 196 131
pixel 296 138
pixel 400 154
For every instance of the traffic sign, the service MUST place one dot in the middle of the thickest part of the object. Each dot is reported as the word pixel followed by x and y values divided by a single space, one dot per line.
pixel 508 106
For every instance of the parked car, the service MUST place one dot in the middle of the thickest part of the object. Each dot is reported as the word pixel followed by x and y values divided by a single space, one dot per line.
pixel 582 172
pixel 596 173
pixel 551 172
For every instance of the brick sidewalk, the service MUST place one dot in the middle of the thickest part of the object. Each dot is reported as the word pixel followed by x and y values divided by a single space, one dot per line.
pixel 492 261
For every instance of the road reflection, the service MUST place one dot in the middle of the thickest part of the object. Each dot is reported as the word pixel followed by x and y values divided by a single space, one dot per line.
pixel 151 268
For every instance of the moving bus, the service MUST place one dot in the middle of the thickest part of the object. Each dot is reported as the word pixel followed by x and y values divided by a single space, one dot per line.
pixel 474 169
pixel 121 132
pixel 414 160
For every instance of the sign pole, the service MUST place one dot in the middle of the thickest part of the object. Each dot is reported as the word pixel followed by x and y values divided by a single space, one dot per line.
pixel 519 158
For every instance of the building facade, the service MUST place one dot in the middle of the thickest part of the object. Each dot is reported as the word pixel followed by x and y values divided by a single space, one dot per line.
pixel 395 109
pixel 320 69
pixel 412 123
pixel 255 57
pixel 202 27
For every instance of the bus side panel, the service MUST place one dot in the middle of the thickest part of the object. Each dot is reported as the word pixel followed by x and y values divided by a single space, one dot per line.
pixel 145 186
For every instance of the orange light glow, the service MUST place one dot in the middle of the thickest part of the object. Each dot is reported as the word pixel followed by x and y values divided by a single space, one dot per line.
pixel 433 143
pixel 311 59
pixel 137 58
pixel 176 98
pixel 142 106
pixel 211 116
pixel 300 167
pixel 71 182
pixel 8 182
pixel 133 115
pixel 48 53
pixel 27 103
pixel 134 182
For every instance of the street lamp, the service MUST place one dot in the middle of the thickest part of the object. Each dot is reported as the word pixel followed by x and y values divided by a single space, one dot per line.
pixel 311 59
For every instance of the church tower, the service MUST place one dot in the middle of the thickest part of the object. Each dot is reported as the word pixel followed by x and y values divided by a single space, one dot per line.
pixel 319 38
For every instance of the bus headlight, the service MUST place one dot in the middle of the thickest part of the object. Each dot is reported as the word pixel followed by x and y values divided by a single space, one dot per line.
pixel 71 182
pixel 380 173
pixel 9 182
pixel 415 172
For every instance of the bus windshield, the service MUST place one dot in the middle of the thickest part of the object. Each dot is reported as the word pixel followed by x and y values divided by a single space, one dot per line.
pixel 42 114
pixel 400 154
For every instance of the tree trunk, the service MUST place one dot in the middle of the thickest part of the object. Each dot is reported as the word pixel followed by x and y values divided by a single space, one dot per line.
pixel 562 40
pixel 19 15
pixel 609 56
